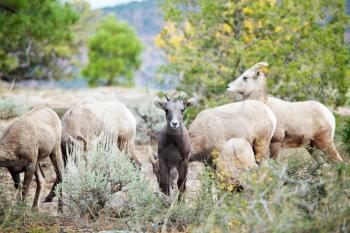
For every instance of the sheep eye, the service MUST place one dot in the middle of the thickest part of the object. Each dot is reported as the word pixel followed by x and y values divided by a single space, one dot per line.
pixel 182 110
pixel 245 78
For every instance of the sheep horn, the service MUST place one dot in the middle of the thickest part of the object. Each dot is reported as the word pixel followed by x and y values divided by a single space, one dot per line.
pixel 259 65
pixel 166 97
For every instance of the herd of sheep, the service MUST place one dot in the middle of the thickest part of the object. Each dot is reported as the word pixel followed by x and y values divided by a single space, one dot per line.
pixel 231 137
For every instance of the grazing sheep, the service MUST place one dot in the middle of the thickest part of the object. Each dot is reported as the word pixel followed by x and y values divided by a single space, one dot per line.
pixel 250 120
pixel 83 122
pixel 236 156
pixel 298 123
pixel 173 146
pixel 28 140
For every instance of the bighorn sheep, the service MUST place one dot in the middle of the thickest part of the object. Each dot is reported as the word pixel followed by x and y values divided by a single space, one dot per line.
pixel 173 146
pixel 236 156
pixel 250 120
pixel 83 122
pixel 27 141
pixel 298 123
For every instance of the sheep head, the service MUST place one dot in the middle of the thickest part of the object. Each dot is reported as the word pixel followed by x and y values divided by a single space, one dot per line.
pixel 174 110
pixel 251 84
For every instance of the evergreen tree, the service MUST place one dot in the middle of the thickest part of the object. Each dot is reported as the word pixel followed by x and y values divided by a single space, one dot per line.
pixel 114 53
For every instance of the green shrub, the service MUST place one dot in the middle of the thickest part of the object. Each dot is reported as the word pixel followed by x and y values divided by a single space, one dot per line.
pixel 298 196
pixel 10 108
pixel 150 121
pixel 345 134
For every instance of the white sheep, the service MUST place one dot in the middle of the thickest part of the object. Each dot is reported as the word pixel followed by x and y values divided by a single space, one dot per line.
pixel 236 156
pixel 298 123
pixel 28 140
pixel 84 121
pixel 250 120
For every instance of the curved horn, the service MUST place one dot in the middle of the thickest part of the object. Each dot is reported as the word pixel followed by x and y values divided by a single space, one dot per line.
pixel 259 65
pixel 166 97
pixel 151 157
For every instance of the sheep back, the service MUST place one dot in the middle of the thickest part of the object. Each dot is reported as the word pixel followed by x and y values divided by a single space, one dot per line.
pixel 249 119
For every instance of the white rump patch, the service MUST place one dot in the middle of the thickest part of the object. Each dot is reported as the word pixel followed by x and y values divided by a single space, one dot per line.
pixel 329 117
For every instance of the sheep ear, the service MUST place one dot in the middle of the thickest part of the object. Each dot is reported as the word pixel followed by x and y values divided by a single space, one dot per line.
pixel 189 102
pixel 257 74
pixel 159 104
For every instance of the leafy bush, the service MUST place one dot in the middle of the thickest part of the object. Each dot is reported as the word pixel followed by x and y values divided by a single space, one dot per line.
pixel 91 180
pixel 209 43
pixel 345 134
pixel 301 196
pixel 150 121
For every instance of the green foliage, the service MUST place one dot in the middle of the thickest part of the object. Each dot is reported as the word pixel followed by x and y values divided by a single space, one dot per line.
pixel 301 197
pixel 91 180
pixel 113 53
pixel 31 37
pixel 212 42
pixel 344 131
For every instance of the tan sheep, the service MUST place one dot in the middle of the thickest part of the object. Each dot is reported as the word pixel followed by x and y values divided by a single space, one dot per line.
pixel 236 156
pixel 298 123
pixel 250 120
pixel 82 122
pixel 28 140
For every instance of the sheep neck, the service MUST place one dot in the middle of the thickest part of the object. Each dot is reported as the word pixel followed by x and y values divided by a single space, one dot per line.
pixel 260 95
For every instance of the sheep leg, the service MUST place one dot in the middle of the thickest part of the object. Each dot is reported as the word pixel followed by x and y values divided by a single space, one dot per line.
pixel 181 181
pixel 28 176
pixel 129 147
pixel 164 178
pixel 16 178
pixel 274 149
pixel 133 154
pixel 40 183
pixel 260 148
pixel 57 161
pixel 333 154
pixel 326 145
pixel 52 194
pixel 64 148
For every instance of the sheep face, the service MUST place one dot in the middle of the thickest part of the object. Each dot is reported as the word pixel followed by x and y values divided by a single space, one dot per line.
pixel 250 82
pixel 174 111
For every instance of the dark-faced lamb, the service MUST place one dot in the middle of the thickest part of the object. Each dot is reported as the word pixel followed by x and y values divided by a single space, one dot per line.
pixel 302 123
pixel 28 140
pixel 173 145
